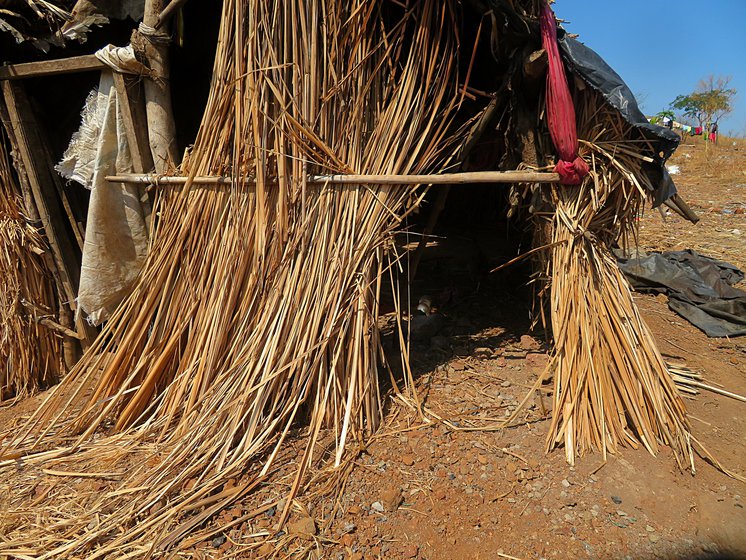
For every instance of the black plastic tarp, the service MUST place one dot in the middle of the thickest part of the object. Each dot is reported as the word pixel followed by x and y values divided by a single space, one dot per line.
pixel 587 64
pixel 699 288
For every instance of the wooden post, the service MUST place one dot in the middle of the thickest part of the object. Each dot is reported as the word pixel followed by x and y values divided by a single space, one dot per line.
pixel 152 44
pixel 130 96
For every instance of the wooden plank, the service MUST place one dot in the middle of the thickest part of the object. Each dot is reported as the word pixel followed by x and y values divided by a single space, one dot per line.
pixel 85 63
pixel 467 178
pixel 70 347
pixel 30 146
pixel 132 102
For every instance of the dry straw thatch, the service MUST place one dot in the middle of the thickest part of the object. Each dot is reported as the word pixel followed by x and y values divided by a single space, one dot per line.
pixel 30 353
pixel 258 305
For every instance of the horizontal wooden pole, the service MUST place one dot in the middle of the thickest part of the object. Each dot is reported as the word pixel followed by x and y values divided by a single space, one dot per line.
pixel 85 63
pixel 441 179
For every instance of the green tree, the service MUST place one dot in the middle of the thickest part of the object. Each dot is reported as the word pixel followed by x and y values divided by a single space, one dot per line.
pixel 709 102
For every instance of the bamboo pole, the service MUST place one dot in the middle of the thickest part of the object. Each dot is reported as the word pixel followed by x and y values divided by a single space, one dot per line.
pixel 370 179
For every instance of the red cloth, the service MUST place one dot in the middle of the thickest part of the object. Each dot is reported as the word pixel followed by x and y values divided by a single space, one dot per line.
pixel 560 109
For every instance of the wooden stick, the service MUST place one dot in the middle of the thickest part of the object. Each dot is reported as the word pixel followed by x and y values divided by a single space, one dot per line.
pixel 373 179
pixel 168 11
pixel 85 63
pixel 132 99
pixel 716 390
pixel 49 323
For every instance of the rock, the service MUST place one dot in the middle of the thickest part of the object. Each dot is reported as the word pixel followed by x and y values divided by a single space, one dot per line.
pixel 265 550
pixel 377 506
pixel 347 540
pixel 529 343
pixel 649 529
pixel 391 498
pixel 424 327
pixel 407 460
pixel 484 353
pixel 505 384
pixel 482 459
pixel 218 541
pixel 354 510
pixel 458 365
pixel 305 526
pixel 616 499
pixel 654 538
pixel 410 551
pixel 566 483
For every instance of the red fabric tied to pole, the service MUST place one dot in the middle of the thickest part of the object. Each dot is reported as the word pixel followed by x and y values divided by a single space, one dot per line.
pixel 560 109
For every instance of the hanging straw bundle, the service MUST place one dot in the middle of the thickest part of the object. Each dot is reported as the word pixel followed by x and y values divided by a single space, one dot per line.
pixel 30 353
pixel 612 386
pixel 258 304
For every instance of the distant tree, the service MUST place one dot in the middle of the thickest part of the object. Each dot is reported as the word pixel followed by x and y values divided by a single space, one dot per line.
pixel 709 102
pixel 665 113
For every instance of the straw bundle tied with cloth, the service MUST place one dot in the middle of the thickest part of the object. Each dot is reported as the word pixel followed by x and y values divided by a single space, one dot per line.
pixel 257 308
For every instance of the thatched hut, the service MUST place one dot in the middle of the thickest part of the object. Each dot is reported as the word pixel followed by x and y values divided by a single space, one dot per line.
pixel 256 301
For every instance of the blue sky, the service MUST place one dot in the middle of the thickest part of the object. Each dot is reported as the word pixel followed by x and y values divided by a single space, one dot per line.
pixel 662 48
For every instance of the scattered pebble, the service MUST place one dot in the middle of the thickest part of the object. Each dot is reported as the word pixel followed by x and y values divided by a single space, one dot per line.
pixel 529 343
pixel 218 541
pixel 304 526
pixel 482 353
pixel 377 506
pixel 616 499
pixel 391 498
pixel 566 483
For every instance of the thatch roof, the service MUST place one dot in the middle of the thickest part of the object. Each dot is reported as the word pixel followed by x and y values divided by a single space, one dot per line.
pixel 258 307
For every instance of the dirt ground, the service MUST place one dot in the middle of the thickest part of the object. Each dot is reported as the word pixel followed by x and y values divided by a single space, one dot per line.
pixel 436 491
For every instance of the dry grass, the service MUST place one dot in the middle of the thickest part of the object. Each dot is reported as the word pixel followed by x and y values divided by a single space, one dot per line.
pixel 257 307
pixel 30 354
pixel 612 387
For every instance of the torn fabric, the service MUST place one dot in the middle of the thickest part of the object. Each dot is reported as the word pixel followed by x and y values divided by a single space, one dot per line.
pixel 116 238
